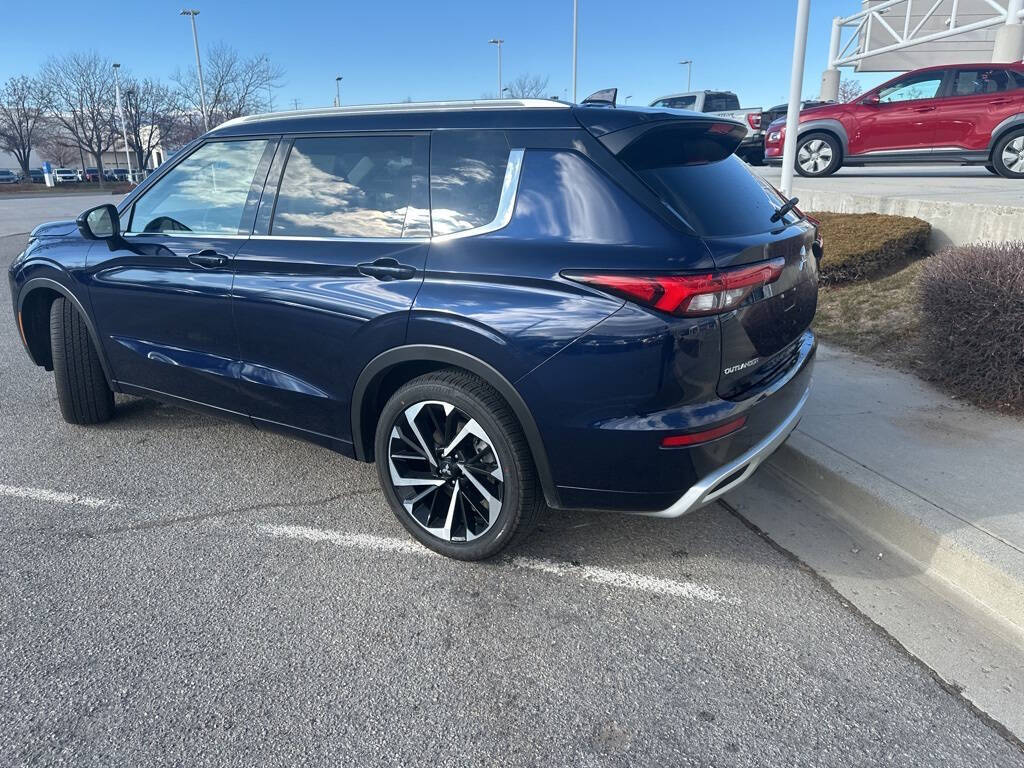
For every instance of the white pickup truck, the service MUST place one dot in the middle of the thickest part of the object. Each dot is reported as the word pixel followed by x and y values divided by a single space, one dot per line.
pixel 723 104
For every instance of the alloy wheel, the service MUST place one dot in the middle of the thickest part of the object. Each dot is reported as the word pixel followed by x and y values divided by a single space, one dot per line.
pixel 814 156
pixel 445 471
pixel 1013 155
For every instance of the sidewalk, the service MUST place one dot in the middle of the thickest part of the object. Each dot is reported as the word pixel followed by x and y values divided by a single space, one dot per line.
pixel 938 480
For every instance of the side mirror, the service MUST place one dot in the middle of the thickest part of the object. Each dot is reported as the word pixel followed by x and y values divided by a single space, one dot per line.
pixel 871 100
pixel 101 223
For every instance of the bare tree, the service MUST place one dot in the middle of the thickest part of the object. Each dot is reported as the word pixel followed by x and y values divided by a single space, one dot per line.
pixel 235 86
pixel 528 87
pixel 22 111
pixel 80 89
pixel 56 145
pixel 848 90
pixel 149 116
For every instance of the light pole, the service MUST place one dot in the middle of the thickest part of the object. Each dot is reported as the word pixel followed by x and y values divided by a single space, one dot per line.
pixel 498 41
pixel 689 69
pixel 575 43
pixel 337 91
pixel 192 12
pixel 796 81
pixel 120 112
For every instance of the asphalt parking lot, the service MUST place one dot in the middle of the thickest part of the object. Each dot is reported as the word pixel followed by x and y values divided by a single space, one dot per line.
pixel 177 590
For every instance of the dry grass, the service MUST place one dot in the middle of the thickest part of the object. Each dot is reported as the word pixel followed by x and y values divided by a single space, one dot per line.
pixel 878 318
pixel 866 245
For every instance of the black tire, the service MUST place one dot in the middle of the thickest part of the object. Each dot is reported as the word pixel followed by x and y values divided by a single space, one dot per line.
pixel 992 169
pixel 823 159
pixel 82 390
pixel 521 498
pixel 1010 146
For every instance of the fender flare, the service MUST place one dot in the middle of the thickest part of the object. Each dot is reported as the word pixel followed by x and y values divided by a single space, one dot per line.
pixel 431 353
pixel 830 125
pixel 1013 121
pixel 54 285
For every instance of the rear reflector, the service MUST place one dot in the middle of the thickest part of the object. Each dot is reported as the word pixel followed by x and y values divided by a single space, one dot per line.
pixel 686 295
pixel 694 438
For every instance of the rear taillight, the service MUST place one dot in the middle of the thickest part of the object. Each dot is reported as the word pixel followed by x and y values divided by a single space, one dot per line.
pixel 686 295
pixel 754 120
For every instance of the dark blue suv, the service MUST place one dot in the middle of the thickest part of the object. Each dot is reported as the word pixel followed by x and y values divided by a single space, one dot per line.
pixel 507 305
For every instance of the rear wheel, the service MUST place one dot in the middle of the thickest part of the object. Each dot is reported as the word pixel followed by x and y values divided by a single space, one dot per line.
pixel 455 466
pixel 818 154
pixel 1008 155
pixel 82 390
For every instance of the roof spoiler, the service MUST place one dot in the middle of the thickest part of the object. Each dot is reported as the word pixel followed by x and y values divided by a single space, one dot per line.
pixel 604 98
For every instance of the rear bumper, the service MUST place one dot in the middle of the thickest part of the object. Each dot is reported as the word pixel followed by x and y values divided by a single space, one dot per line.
pixel 727 477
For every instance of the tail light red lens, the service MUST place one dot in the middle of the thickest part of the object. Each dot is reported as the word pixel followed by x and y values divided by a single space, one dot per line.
pixel 754 120
pixel 705 435
pixel 687 295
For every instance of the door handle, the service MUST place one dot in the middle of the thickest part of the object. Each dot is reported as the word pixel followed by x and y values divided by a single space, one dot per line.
pixel 925 109
pixel 207 259
pixel 386 269
pixel 999 101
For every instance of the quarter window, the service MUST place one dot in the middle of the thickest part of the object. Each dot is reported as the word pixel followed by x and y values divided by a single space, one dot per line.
pixel 971 82
pixel 205 193
pixel 467 170
pixel 354 186
pixel 922 86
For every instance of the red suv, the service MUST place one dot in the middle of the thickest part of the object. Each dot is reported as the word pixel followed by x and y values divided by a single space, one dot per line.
pixel 968 114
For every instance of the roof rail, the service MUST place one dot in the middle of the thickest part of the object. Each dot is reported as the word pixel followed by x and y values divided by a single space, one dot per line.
pixel 412 106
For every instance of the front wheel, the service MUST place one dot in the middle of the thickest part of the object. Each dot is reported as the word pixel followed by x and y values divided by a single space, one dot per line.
pixel 1008 155
pixel 82 390
pixel 455 466
pixel 818 154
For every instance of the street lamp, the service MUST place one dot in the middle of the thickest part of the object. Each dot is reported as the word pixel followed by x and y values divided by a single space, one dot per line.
pixel 689 66
pixel 120 112
pixel 192 12
pixel 498 41
pixel 337 91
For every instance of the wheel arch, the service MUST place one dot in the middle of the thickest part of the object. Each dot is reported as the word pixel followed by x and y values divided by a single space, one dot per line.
pixel 34 301
pixel 383 375
pixel 1011 123
pixel 833 127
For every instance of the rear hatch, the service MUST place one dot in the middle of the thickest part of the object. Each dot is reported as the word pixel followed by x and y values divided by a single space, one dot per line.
pixel 690 166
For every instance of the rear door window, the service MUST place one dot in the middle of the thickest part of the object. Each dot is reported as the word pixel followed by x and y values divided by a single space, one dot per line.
pixel 977 82
pixel 354 186
pixel 721 102
pixel 467 170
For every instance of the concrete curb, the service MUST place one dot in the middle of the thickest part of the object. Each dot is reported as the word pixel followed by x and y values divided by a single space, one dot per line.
pixel 987 569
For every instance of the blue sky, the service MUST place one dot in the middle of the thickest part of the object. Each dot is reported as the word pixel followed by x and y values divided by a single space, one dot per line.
pixel 393 49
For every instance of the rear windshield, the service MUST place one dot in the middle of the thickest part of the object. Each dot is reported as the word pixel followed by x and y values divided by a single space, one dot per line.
pixel 721 102
pixel 692 168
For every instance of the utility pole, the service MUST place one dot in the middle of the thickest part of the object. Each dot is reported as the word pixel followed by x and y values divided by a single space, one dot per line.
pixel 575 43
pixel 295 104
pixel 498 41
pixel 192 12
pixel 120 112
pixel 337 91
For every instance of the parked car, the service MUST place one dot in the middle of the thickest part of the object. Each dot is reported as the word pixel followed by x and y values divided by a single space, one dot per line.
pixel 967 114
pixel 116 174
pixel 92 174
pixel 64 175
pixel 37 176
pixel 772 114
pixel 723 104
pixel 8 176
pixel 503 304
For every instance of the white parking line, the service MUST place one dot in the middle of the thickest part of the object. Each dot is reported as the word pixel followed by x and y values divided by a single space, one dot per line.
pixel 606 576
pixel 58 497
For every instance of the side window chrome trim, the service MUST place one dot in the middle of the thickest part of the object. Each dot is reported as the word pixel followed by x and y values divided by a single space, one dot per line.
pixel 506 203
pixel 208 235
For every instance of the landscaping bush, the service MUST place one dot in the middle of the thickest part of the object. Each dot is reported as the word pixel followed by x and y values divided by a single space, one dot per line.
pixel 972 322
pixel 865 245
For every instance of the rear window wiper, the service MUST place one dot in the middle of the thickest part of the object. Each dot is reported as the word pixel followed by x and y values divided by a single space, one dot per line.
pixel 788 206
